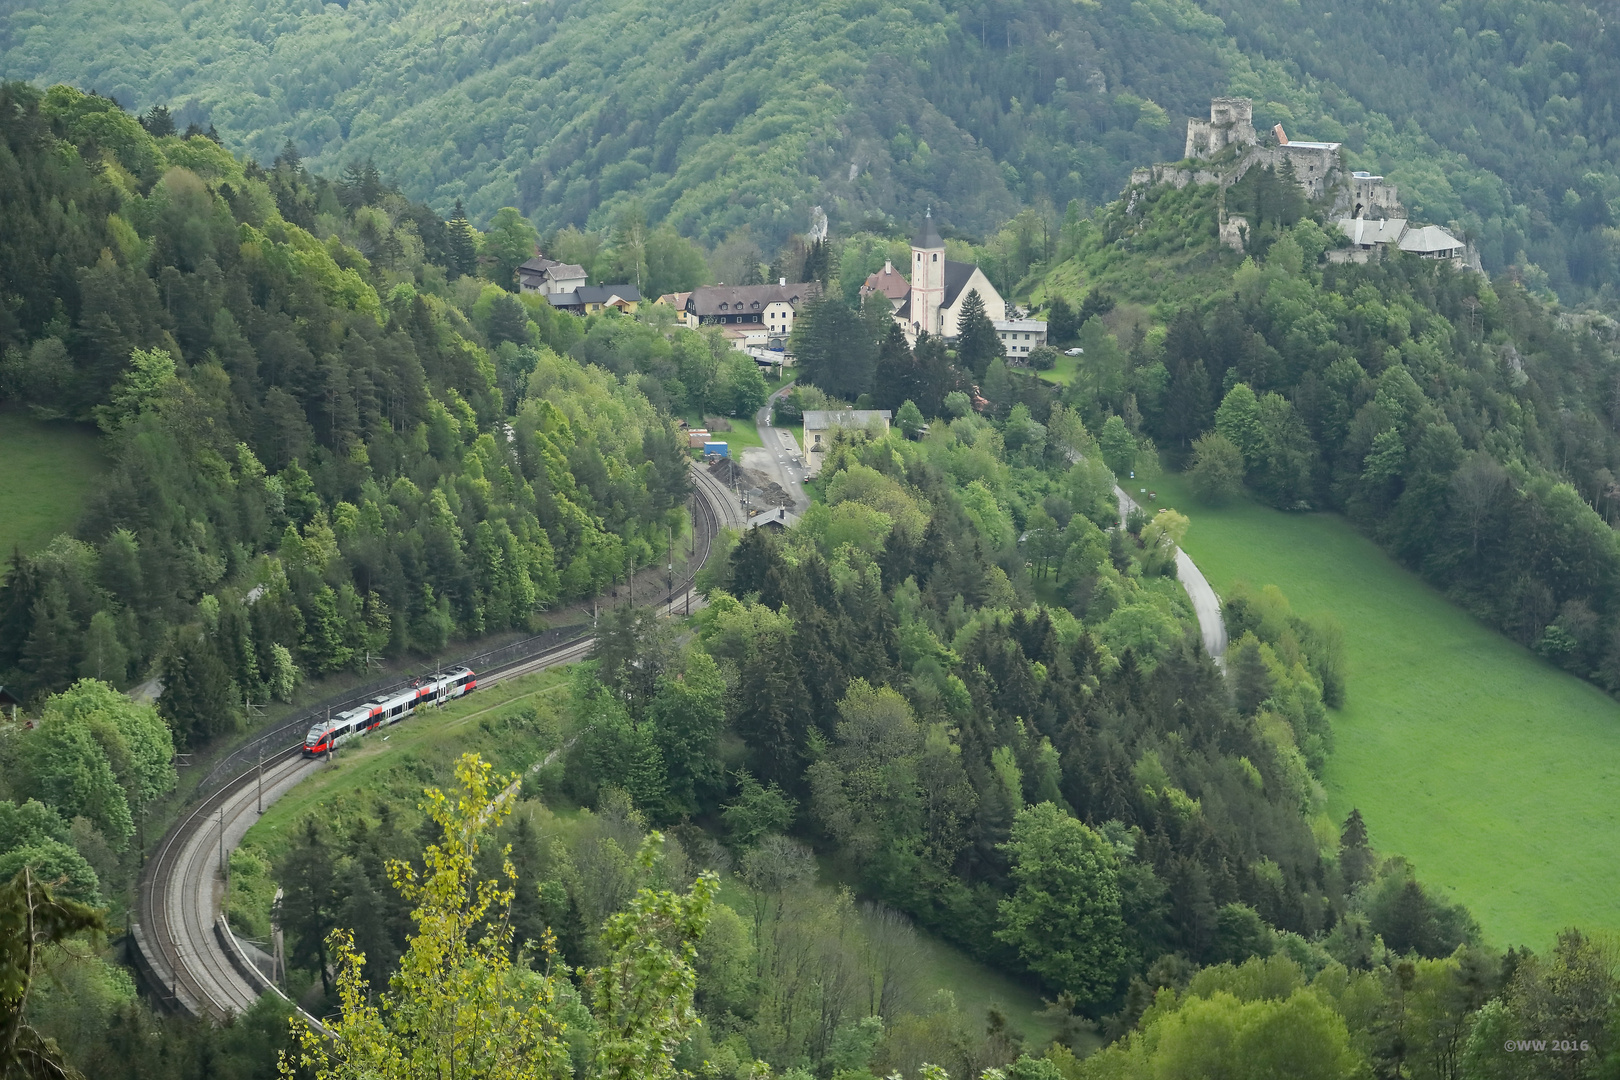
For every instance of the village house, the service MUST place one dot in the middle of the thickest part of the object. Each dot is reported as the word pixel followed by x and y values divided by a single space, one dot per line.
pixel 1019 336
pixel 676 300
pixel 767 310
pixel 594 299
pixel 890 282
pixel 1370 237
pixel 549 277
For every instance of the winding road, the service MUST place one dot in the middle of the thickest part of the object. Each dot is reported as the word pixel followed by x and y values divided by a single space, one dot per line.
pixel 1207 606
pixel 180 940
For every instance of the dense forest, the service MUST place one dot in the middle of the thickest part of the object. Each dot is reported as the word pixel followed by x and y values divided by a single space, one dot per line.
pixel 1030 758
pixel 730 123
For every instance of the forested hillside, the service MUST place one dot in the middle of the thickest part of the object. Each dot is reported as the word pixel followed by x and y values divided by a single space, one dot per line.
pixel 1496 118
pixel 321 457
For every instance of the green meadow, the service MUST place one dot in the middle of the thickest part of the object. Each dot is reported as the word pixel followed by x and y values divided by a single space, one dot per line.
pixel 46 472
pixel 1496 774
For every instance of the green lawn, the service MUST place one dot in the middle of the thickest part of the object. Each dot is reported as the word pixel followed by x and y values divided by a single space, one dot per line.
pixel 744 432
pixel 1496 774
pixel 47 473
pixel 1064 372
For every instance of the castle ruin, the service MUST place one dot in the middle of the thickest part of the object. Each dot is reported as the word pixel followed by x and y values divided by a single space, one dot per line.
pixel 1222 149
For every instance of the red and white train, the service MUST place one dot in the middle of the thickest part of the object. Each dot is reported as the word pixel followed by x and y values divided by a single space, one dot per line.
pixel 388 710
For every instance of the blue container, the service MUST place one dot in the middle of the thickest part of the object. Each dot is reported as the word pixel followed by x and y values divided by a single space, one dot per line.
pixel 718 449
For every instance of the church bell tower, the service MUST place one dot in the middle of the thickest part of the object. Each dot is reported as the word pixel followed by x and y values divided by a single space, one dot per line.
pixel 927 279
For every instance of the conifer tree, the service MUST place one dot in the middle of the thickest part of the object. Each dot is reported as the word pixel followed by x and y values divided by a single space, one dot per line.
pixel 199 699
pixel 463 246
pixel 1061 324
pixel 935 377
pixel 158 122
pixel 976 341
pixel 895 379
pixel 1355 854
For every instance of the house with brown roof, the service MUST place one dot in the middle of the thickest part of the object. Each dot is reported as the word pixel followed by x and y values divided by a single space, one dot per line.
pixel 888 281
pixel 769 309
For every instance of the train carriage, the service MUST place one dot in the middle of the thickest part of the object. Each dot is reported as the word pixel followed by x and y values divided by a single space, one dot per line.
pixel 388 709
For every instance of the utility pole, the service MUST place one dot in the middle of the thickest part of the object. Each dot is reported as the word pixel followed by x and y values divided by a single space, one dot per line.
pixel 261 780
pixel 671 564
pixel 224 867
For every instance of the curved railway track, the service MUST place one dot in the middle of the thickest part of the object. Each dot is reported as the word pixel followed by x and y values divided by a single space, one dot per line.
pixel 180 940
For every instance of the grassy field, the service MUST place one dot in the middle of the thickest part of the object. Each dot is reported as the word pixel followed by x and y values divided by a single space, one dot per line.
pixel 1064 372
pixel 424 747
pixel 1496 774
pixel 48 471
pixel 744 432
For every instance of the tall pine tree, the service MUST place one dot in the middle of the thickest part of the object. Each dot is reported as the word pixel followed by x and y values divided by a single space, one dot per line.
pixel 463 248
pixel 895 379
pixel 199 698
pixel 976 341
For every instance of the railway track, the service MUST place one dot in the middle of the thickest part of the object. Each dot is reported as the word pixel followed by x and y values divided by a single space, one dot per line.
pixel 180 940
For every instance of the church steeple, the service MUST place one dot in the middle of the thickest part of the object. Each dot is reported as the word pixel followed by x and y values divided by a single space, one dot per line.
pixel 928 236
pixel 927 278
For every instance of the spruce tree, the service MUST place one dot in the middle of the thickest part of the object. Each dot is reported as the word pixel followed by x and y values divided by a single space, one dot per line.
pixel 895 379
pixel 463 248
pixel 158 122
pixel 307 876
pixel 1355 854
pixel 976 341
pixel 1061 324
pixel 935 377
pixel 199 699
pixel 17 598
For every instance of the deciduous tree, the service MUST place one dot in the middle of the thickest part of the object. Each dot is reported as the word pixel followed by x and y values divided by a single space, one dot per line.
pixel 1064 914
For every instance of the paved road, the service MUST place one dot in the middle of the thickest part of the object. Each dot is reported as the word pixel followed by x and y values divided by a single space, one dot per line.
pixel 184 941
pixel 1211 627
pixel 781 459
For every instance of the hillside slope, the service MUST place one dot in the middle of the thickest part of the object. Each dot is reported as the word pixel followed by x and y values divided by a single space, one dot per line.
pixel 1495 118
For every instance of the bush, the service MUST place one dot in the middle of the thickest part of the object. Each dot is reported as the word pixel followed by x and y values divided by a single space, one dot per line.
pixel 1043 358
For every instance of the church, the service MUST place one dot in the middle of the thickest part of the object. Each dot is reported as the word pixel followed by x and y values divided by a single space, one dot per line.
pixel 931 301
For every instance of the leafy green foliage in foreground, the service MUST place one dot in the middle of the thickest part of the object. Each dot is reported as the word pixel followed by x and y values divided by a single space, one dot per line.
pixel 459 1003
